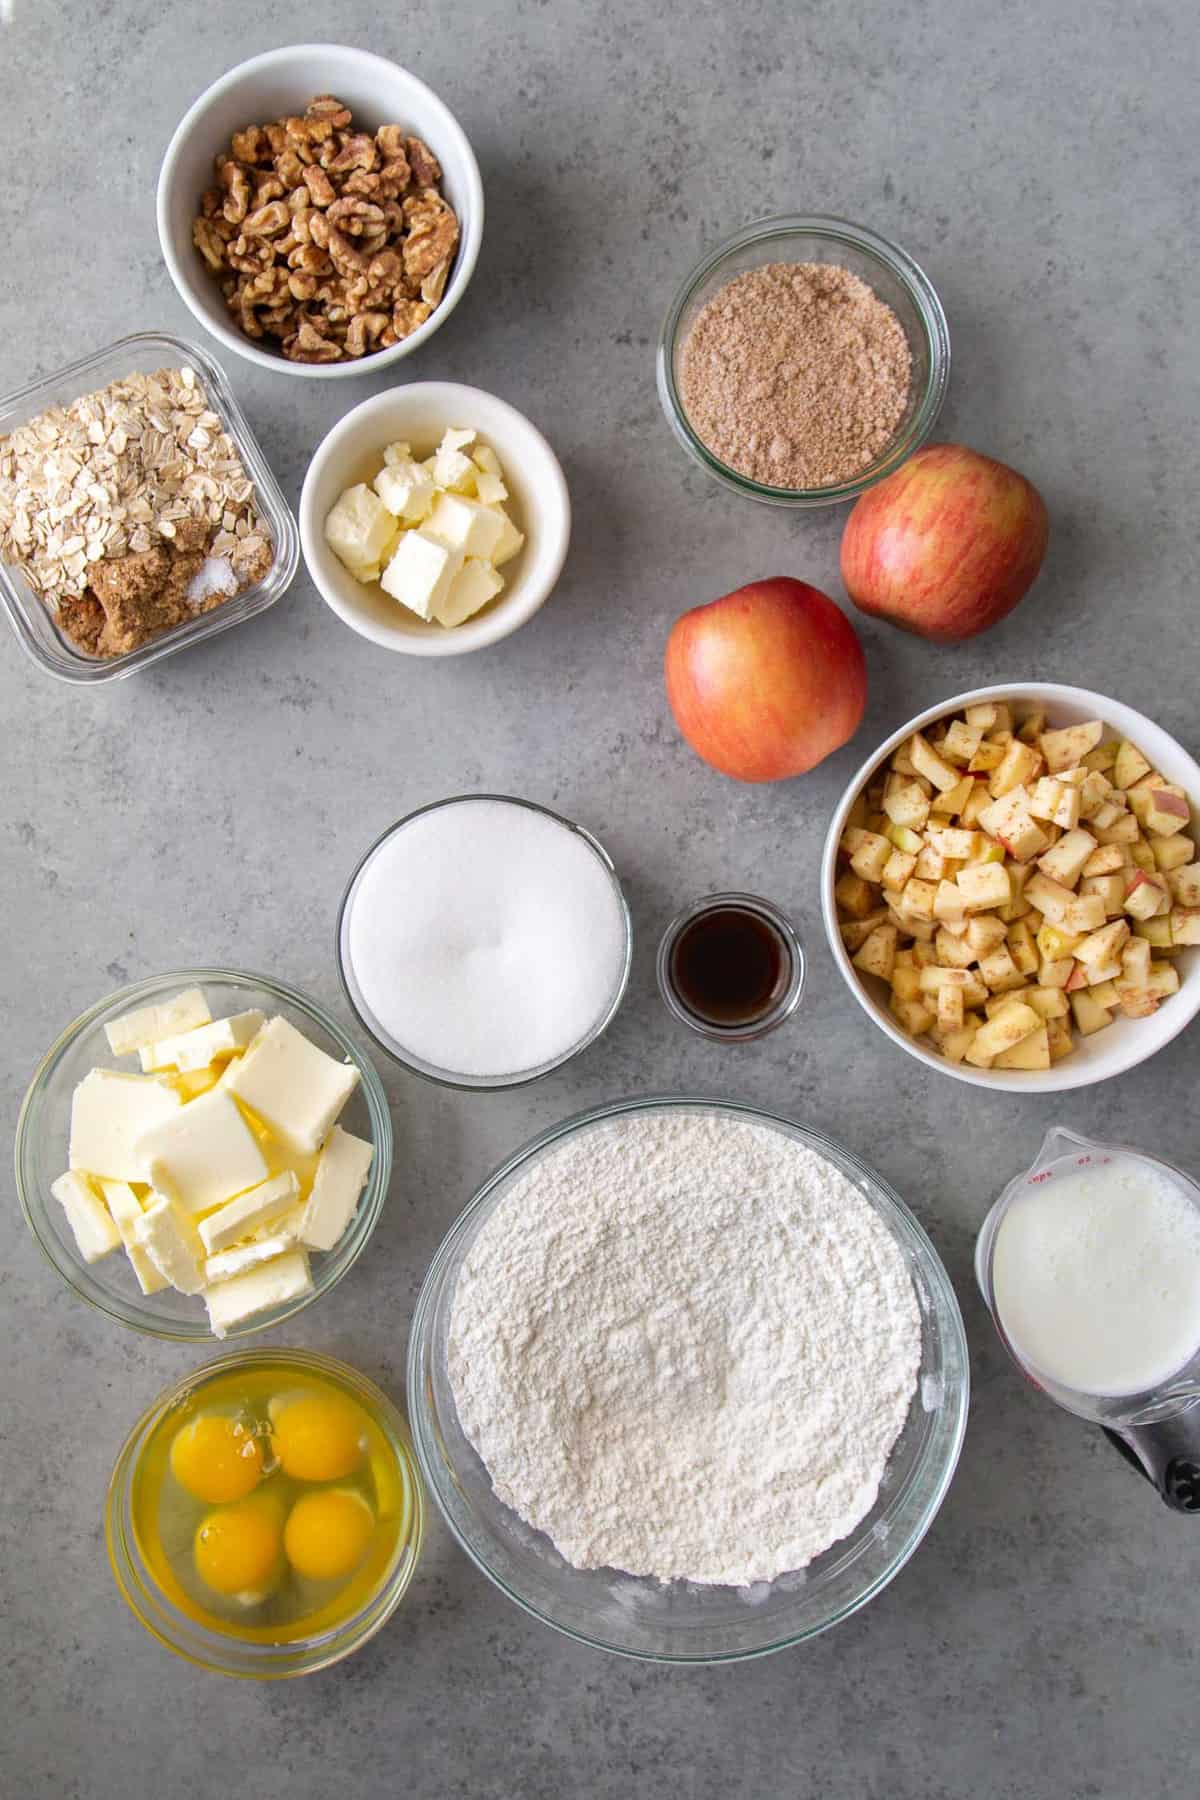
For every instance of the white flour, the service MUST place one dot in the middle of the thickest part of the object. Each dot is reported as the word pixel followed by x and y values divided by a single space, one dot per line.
pixel 684 1347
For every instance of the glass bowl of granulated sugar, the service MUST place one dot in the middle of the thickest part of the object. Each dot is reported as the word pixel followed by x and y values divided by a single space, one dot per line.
pixel 803 360
pixel 687 1380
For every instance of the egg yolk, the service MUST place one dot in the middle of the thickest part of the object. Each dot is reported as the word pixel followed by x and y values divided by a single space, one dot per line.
pixel 237 1551
pixel 216 1459
pixel 327 1533
pixel 317 1437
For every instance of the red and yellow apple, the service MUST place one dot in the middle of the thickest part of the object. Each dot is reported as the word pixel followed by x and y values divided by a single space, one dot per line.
pixel 767 681
pixel 947 545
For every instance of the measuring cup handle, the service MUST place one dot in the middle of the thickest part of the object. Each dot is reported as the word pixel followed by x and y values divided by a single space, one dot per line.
pixel 1168 1454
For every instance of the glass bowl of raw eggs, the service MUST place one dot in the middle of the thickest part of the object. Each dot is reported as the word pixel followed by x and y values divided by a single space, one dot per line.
pixel 264 1518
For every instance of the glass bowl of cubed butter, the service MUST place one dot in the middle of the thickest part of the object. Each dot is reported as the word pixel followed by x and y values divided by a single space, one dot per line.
pixel 203 1153
pixel 434 519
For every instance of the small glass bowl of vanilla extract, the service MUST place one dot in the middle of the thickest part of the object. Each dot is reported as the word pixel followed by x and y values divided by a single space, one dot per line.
pixel 731 966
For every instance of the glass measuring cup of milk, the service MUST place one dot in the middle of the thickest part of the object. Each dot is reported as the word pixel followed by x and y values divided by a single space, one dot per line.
pixel 1090 1266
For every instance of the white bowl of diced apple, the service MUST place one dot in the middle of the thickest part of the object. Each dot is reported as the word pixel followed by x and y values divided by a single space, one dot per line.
pixel 434 519
pixel 1010 887
pixel 203 1154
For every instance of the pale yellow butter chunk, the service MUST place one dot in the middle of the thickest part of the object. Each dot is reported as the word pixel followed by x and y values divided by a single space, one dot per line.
pixel 94 1232
pixel 205 1154
pixel 464 525
pixel 239 1218
pixel 271 1284
pixel 172 1243
pixel 509 541
pixel 406 489
pixel 110 1113
pixel 341 1175
pixel 475 584
pixel 207 1044
pixel 126 1210
pixel 294 1087
pixel 149 1023
pixel 228 1263
pixel 420 573
pixel 360 531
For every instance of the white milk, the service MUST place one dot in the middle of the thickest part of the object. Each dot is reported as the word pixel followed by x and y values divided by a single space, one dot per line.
pixel 1096 1276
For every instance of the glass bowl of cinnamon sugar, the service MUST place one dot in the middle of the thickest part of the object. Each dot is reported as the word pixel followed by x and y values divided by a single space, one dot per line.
pixel 803 360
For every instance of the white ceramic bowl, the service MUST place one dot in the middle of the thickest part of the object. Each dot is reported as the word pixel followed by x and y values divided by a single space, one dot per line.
pixel 418 414
pixel 378 92
pixel 1126 1042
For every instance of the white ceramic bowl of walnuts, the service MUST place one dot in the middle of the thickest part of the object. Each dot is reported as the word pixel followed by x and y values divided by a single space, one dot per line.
pixel 367 183
pixel 1121 1019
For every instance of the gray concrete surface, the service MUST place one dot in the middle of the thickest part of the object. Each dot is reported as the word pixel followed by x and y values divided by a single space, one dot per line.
pixel 1038 160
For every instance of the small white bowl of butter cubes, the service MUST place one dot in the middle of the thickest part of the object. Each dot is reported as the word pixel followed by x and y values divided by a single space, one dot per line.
pixel 435 519
pixel 204 1153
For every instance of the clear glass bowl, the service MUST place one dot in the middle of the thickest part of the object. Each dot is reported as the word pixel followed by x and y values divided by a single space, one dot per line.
pixel 893 275
pixel 44 1126
pixel 399 1052
pixel 214 1650
pixel 780 1009
pixel 145 352
pixel 687 1622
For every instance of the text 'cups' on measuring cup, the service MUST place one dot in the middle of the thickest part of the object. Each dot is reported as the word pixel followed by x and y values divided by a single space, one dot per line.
pixel 1090 1266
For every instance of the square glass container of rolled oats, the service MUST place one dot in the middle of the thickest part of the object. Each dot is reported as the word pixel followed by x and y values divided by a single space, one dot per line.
pixel 137 511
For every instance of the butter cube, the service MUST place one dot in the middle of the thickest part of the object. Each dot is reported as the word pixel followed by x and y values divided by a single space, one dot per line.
pixel 406 490
pixel 172 1244
pixel 475 584
pixel 397 453
pixel 94 1231
pixel 293 1087
pixel 420 573
pixel 126 1209
pixel 261 1205
pixel 360 531
pixel 110 1112
pixel 149 1023
pixel 209 1044
pixel 274 1283
pixel 341 1175
pixel 509 541
pixel 451 469
pixel 464 525
pixel 489 481
pixel 228 1263
pixel 205 1154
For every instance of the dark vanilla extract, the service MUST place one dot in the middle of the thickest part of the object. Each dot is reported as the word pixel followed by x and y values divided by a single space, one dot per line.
pixel 730 966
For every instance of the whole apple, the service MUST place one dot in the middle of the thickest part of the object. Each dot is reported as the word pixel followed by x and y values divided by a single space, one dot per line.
pixel 767 681
pixel 947 545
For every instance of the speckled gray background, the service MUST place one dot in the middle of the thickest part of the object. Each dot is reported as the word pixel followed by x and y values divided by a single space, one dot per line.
pixel 1038 159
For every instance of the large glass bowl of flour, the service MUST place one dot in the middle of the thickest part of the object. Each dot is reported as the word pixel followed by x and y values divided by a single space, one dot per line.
pixel 679 1620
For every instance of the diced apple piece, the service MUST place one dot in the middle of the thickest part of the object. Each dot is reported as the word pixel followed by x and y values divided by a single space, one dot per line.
pixel 951 802
pixel 983 885
pixel 1078 978
pixel 1073 777
pixel 877 956
pixel 1102 758
pixel 1135 963
pixel 1102 946
pixel 985 759
pixel 1053 942
pixel 933 977
pixel 903 837
pixel 1158 932
pixel 1018 767
pixel 1061 1042
pixel 1056 801
pixel 989 715
pixel 1000 971
pixel 1137 1003
pixel 916 899
pixel 854 895
pixel 1001 1033
pixel 1033 1052
pixel 1163 980
pixel 897 869
pixel 1048 1002
pixel 1140 855
pixel 950 1008
pixel 1055 972
pixel 1089 1015
pixel 1130 765
pixel 1063 748
pixel 1111 889
pixel 914 1015
pixel 920 930
pixel 1167 812
pixel 1086 913
pixel 984 933
pixel 1172 852
pixel 1031 727
pixel 1184 884
pixel 1183 927
pixel 1096 791
pixel 1051 898
pixel 1010 822
pixel 953 952
pixel 857 931
pixel 858 811
pixel 1106 816
pixel 1064 861
pixel 1123 830
pixel 870 856
pixel 931 865
pixel 1105 993
pixel 1022 948
pixel 961 742
pixel 948 902
pixel 953 841
pixel 1101 974
pixel 955 1044
pixel 1146 895
pixel 908 805
pixel 906 982
pixel 1106 859
pixel 927 762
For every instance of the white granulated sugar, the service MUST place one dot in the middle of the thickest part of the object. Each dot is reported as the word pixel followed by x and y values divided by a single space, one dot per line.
pixel 486 938
pixel 214 576
pixel 684 1346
